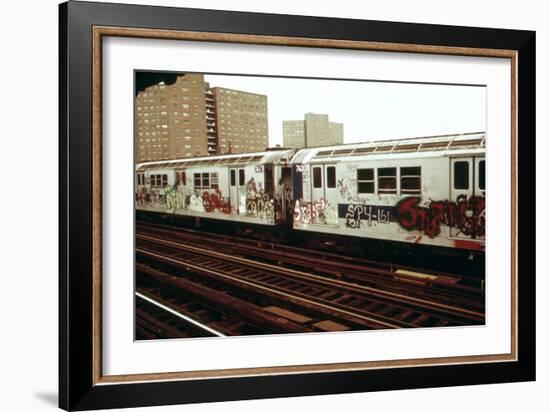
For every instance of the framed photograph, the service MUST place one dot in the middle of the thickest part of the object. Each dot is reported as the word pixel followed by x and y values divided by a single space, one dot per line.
pixel 257 205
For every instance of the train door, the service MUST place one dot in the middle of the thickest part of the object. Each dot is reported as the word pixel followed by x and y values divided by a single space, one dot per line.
pixel 323 193
pixel 479 185
pixel 331 195
pixel 479 193
pixel 467 183
pixel 237 190
pixel 317 186
pixel 285 194
pixel 233 191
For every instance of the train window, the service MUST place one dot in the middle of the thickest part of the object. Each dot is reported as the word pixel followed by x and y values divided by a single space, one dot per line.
pixel 205 181
pixel 365 180
pixel 481 174
pixel 159 181
pixel 331 177
pixel 268 178
pixel 233 177
pixel 462 175
pixel 410 180
pixel 387 180
pixel 317 178
pixel 180 178
pixel 197 181
pixel 241 177
pixel 214 180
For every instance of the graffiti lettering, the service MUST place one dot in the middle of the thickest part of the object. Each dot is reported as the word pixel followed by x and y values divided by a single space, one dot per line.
pixel 356 215
pixel 215 202
pixel 466 215
pixel 314 212
pixel 283 202
pixel 344 187
pixel 258 203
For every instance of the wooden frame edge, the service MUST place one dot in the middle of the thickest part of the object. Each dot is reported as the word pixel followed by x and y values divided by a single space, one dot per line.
pixel 97 137
pixel 99 32
pixel 164 34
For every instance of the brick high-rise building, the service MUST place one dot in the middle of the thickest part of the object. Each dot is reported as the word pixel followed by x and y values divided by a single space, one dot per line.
pixel 294 134
pixel 242 121
pixel 314 130
pixel 171 120
pixel 188 118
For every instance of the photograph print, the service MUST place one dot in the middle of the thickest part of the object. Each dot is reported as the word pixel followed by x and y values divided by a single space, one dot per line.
pixel 272 205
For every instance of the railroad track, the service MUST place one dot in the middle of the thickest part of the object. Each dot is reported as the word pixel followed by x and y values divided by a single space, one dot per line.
pixel 155 319
pixel 219 313
pixel 412 281
pixel 341 305
pixel 376 273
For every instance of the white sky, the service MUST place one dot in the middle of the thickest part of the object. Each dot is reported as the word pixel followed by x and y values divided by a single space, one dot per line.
pixel 368 110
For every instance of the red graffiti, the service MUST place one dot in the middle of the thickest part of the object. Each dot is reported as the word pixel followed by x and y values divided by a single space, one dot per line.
pixel 467 215
pixel 215 202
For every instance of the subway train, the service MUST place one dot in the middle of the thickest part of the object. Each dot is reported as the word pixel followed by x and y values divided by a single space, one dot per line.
pixel 417 197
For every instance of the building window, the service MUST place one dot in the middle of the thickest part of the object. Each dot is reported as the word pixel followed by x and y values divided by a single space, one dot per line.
pixel 387 180
pixel 233 174
pixel 365 180
pixel 317 178
pixel 462 175
pixel 481 175
pixel 331 177
pixel 410 180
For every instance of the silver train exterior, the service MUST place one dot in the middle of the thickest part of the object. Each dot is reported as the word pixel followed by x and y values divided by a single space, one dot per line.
pixel 250 188
pixel 428 191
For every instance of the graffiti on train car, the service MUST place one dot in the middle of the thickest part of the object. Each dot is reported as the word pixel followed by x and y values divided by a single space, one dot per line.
pixel 319 211
pixel 283 202
pixel 151 197
pixel 258 203
pixel 466 215
pixel 357 215
pixel 174 197
pixel 215 202
pixel 345 189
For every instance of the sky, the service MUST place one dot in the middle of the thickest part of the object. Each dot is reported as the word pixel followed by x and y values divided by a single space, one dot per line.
pixel 369 110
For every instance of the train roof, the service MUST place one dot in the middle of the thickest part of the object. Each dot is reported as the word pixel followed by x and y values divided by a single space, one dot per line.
pixel 234 159
pixel 440 145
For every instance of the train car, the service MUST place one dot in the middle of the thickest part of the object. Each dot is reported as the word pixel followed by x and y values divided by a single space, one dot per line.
pixel 251 188
pixel 422 191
